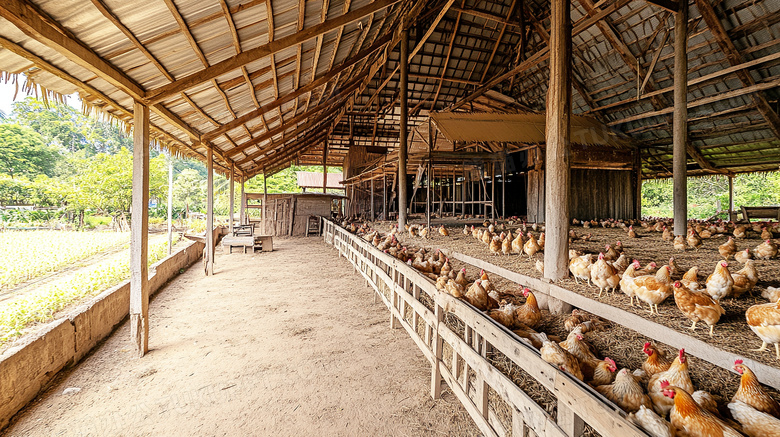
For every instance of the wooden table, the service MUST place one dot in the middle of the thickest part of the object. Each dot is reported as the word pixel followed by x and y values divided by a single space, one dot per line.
pixel 263 243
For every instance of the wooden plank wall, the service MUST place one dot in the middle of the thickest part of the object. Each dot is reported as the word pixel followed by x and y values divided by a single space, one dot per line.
pixel 594 194
pixel 601 194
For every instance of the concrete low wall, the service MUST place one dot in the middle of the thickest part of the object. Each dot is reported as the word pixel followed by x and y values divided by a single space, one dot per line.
pixel 28 368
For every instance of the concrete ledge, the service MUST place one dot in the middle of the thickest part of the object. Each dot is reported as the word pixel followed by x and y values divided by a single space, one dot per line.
pixel 28 368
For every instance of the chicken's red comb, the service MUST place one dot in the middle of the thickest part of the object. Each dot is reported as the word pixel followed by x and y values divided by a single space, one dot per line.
pixel 463 270
pixel 665 384
pixel 610 361
pixel 677 284
pixel 738 361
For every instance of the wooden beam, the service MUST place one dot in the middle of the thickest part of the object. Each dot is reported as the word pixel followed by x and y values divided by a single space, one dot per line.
pixel 279 159
pixel 32 22
pixel 669 5
pixel 447 59
pixel 735 58
pixel 558 150
pixel 498 41
pixel 680 126
pixel 254 54
pixel 295 120
pixel 139 232
pixel 623 50
pixel 540 56
pixel 238 121
pixel 416 49
pixel 402 147
pixel 232 196
pixel 703 101
pixel 696 81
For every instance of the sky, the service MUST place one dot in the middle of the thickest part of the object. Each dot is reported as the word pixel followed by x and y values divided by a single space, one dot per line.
pixel 7 96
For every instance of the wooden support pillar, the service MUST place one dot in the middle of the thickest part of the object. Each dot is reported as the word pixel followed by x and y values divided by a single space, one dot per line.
pixel 325 168
pixel 139 232
pixel 384 196
pixel 556 250
pixel 232 195
pixel 731 198
pixel 428 195
pixel 503 187
pixel 493 190
pixel 242 208
pixel 463 194
pixel 637 181
pixel 402 150
pixel 373 216
pixel 170 204
pixel 680 124
pixel 454 196
pixel 265 206
pixel 210 212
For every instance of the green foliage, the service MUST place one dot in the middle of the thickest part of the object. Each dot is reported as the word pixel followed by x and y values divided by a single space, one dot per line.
pixel 67 128
pixel 709 195
pixel 23 153
pixel 104 182
pixel 189 191
pixel 42 191
pixel 285 181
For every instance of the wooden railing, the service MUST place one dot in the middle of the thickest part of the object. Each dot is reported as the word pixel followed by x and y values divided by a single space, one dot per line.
pixel 439 323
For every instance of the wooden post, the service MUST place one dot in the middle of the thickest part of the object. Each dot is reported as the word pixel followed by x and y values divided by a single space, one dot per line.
pixel 265 206
pixel 556 251
pixel 242 208
pixel 503 187
pixel 403 130
pixel 139 232
pixel 325 168
pixel 232 195
pixel 210 212
pixel 637 185
pixel 371 181
pixel 731 198
pixel 680 124
pixel 493 190
pixel 454 182
pixel 428 195
pixel 384 195
pixel 170 204
pixel 463 194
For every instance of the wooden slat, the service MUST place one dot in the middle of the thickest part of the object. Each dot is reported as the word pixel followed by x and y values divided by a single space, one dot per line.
pixel 767 374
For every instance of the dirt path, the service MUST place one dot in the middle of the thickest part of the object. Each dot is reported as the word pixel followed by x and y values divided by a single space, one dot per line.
pixel 281 343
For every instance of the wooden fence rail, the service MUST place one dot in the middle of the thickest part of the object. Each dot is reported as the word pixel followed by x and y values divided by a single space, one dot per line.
pixel 416 305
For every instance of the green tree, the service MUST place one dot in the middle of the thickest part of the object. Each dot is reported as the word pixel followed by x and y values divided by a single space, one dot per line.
pixel 22 152
pixel 64 126
pixel 104 182
pixel 189 191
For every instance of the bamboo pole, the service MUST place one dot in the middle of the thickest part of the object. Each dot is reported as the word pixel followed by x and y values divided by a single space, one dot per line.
pixel 139 232
pixel 265 206
pixel 493 190
pixel 403 130
pixel 558 151
pixel 241 208
pixel 680 124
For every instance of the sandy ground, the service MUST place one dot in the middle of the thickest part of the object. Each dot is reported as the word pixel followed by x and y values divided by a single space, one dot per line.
pixel 282 343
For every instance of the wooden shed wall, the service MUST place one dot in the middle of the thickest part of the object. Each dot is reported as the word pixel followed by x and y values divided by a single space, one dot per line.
pixel 301 207
pixel 601 194
pixel 594 194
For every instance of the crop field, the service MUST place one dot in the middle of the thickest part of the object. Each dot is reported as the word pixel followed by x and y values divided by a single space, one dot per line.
pixel 39 303
pixel 28 255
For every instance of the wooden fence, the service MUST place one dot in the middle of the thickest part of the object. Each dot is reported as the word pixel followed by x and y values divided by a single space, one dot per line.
pixel 462 344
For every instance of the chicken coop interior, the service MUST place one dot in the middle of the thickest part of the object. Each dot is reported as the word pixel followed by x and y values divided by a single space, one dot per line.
pixel 493 155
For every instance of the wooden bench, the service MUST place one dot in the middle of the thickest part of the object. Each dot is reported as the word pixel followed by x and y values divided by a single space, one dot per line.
pixel 255 242
pixel 760 212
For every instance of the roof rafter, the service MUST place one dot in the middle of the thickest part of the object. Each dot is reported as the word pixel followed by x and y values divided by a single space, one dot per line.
pixel 252 55
pixel 735 58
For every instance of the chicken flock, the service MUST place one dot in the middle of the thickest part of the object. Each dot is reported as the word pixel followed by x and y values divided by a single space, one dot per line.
pixel 613 269
pixel 660 396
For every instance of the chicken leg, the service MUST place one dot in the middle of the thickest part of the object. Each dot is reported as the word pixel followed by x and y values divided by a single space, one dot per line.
pixel 693 327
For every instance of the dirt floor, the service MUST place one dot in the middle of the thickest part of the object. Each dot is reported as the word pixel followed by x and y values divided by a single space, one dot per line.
pixel 282 343
pixel 616 341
